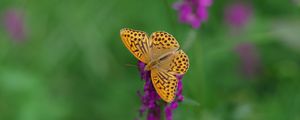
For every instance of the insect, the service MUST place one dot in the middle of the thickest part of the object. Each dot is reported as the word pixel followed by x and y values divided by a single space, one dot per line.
pixel 162 56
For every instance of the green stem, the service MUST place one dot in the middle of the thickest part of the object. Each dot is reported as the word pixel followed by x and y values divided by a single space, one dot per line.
pixel 167 7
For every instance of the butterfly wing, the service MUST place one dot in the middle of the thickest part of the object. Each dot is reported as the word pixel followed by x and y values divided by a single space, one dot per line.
pixel 171 62
pixel 137 43
pixel 162 43
pixel 165 84
pixel 176 64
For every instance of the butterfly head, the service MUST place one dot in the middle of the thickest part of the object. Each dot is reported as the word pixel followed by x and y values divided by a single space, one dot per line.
pixel 151 65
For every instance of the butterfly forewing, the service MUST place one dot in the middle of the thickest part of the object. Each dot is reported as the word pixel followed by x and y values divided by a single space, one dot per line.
pixel 165 84
pixel 137 43
pixel 162 43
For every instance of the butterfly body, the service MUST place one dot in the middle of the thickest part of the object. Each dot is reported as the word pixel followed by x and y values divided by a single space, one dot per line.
pixel 160 52
pixel 151 65
pixel 155 63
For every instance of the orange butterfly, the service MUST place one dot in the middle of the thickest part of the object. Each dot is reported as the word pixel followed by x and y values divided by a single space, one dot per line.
pixel 161 53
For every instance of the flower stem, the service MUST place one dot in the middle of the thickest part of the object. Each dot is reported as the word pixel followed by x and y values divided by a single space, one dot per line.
pixel 167 7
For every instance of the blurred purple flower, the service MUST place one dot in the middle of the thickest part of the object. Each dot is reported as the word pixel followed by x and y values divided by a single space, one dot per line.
pixel 151 102
pixel 172 106
pixel 249 59
pixel 193 12
pixel 14 23
pixel 238 14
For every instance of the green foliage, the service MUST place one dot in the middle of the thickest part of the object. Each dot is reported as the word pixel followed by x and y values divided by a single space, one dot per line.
pixel 73 65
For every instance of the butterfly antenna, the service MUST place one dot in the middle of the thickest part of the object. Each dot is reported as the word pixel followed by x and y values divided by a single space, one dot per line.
pixel 131 65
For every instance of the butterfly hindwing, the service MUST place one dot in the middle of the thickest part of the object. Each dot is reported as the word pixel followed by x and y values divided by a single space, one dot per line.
pixel 176 64
pixel 165 84
pixel 137 43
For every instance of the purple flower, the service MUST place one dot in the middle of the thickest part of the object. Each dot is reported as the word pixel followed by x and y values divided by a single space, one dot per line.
pixel 173 105
pixel 193 12
pixel 14 23
pixel 238 14
pixel 151 102
pixel 249 59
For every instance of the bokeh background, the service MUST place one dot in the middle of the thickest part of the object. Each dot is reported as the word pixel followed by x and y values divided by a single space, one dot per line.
pixel 64 59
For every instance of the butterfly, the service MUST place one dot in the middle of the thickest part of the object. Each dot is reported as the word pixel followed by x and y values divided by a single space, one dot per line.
pixel 162 56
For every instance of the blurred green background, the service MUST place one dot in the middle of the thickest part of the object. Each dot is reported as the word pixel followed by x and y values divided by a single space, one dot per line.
pixel 72 64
